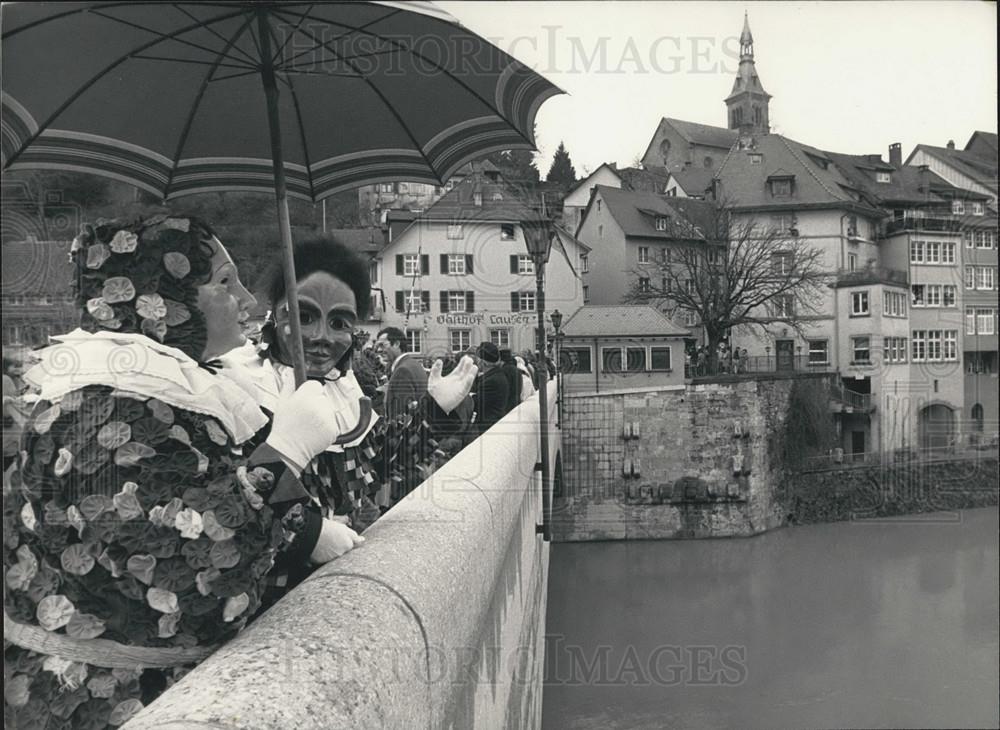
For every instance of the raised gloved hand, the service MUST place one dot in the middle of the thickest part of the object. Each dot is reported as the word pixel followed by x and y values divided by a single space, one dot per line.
pixel 305 424
pixel 335 539
pixel 450 390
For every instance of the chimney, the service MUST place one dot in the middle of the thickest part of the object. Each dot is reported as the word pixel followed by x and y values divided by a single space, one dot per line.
pixel 951 144
pixel 896 154
pixel 924 173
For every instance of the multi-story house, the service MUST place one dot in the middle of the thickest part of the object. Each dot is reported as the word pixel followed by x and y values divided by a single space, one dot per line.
pixel 979 301
pixel 38 299
pixel 461 274
pixel 973 169
pixel 375 201
pixel 575 202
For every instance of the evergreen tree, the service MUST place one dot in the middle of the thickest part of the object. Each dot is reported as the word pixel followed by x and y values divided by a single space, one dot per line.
pixel 562 167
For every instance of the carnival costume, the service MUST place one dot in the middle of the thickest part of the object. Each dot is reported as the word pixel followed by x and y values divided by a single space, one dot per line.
pixel 139 532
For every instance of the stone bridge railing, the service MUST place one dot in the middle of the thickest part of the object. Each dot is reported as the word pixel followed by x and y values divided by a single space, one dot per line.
pixel 438 621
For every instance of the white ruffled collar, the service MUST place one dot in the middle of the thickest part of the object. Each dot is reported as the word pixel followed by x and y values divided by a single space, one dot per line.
pixel 134 363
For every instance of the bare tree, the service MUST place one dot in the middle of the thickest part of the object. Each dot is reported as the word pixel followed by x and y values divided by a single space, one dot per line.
pixel 732 272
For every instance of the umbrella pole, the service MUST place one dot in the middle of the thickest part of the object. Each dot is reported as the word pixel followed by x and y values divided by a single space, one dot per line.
pixel 281 195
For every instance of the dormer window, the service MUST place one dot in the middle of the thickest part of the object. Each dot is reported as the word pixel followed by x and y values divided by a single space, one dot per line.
pixel 781 186
pixel 977 209
pixel 883 177
pixel 477 199
pixel 756 158
pixel 661 223
pixel 958 207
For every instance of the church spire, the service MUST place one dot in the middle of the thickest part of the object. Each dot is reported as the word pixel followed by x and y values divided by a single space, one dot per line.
pixel 747 104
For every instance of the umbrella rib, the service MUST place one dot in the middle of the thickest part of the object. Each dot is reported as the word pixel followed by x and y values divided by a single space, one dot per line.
pixel 130 24
pixel 301 125
pixel 388 104
pixel 213 64
pixel 197 103
pixel 305 16
pixel 281 47
pixel 97 77
pixel 436 65
pixel 249 58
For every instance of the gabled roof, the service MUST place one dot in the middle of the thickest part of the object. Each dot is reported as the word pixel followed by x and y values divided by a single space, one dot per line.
pixel 704 134
pixel 694 180
pixel 907 185
pixel 584 182
pixel 500 202
pixel 636 213
pixel 621 320
pixel 37 268
pixel 980 169
pixel 983 144
pixel 818 182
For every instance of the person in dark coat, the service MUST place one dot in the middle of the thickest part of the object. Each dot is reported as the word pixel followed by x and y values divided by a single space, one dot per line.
pixel 407 377
pixel 491 388
pixel 513 375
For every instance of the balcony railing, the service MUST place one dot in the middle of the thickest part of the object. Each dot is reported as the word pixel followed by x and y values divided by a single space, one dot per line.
pixel 754 365
pixel 872 275
pixel 844 400
pixel 910 223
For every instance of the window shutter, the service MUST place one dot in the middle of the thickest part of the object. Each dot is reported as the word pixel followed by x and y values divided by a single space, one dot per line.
pixel 425 264
pixel 470 301
pixel 444 302
pixel 468 263
pixel 399 299
pixel 444 263
pixel 399 264
pixel 515 298
pixel 425 300
pixel 513 264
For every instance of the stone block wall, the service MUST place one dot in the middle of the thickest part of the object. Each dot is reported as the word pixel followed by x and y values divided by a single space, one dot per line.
pixel 691 461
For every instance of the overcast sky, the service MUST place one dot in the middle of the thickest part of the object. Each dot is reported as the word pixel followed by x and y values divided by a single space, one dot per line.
pixel 847 77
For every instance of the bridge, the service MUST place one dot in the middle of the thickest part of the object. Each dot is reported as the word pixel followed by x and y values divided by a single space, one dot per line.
pixel 438 621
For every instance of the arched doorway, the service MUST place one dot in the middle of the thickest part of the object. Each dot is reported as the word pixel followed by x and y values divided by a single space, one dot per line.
pixel 937 426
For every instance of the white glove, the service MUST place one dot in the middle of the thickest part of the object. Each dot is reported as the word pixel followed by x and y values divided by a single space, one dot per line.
pixel 335 539
pixel 451 390
pixel 305 424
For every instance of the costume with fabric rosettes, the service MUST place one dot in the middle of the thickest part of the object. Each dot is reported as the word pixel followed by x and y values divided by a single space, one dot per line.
pixel 139 531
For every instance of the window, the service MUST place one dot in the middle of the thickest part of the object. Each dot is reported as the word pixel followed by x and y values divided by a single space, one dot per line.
pixel 934 345
pixel 859 304
pixel 883 177
pixel 526 301
pixel 781 263
pixel 586 293
pixel 819 352
pixel 893 304
pixel 460 340
pixel 500 338
pixel 575 359
pixel 970 277
pixel 413 301
pixel 643 254
pixel 522 264
pixel 457 301
pixel 783 305
pixel 783 223
pixel 659 358
pixel 894 349
pixel 600 231
pixel 584 263
pixel 861 349
pixel 455 231
pixel 985 319
pixel 918 346
pixel 623 359
pixel 969 237
pixel 690 319
pixel 756 158
pixel 477 200
pixel 948 252
pixel 986 277
pixel 643 285
pixel 957 207
pixel 918 295
pixel 414 341
pixel 852 261
pixel 456 263
pixel 611 359
pixel 385 188
pixel 689 286
pixel 411 264
pixel 714 257
pixel 781 188
pixel 933 252
pixel 661 223
pixel 916 252
pixel 506 231
pixel 373 273
pixel 948 295
pixel 951 345
pixel 977 209
pixel 970 320
pixel 933 295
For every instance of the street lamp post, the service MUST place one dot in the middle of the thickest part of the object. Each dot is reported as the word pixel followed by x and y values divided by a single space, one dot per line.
pixel 538 239
pixel 556 318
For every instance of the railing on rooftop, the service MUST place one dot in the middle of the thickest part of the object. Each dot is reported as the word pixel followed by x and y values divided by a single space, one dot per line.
pixel 912 223
pixel 755 365
pixel 872 275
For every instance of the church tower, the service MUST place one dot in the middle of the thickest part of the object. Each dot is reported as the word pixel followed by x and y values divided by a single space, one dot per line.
pixel 747 103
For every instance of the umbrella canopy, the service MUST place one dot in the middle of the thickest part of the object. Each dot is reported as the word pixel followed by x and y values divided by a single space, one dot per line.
pixel 302 99
pixel 168 96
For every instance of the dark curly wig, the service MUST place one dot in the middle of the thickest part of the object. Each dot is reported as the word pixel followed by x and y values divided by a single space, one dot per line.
pixel 143 278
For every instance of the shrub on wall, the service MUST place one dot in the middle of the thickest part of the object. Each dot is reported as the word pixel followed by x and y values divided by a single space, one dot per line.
pixel 809 426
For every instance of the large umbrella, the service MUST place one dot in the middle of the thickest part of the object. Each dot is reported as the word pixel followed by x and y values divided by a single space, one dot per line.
pixel 294 98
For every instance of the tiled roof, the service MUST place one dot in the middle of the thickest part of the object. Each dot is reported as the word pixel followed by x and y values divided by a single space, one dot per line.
pixel 980 169
pixel 907 184
pixel 704 134
pixel 985 140
pixel 636 213
pixel 37 269
pixel 500 202
pixel 621 320
pixel 694 180
pixel 818 182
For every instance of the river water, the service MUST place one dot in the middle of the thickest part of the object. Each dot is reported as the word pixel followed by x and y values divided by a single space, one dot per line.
pixel 890 623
